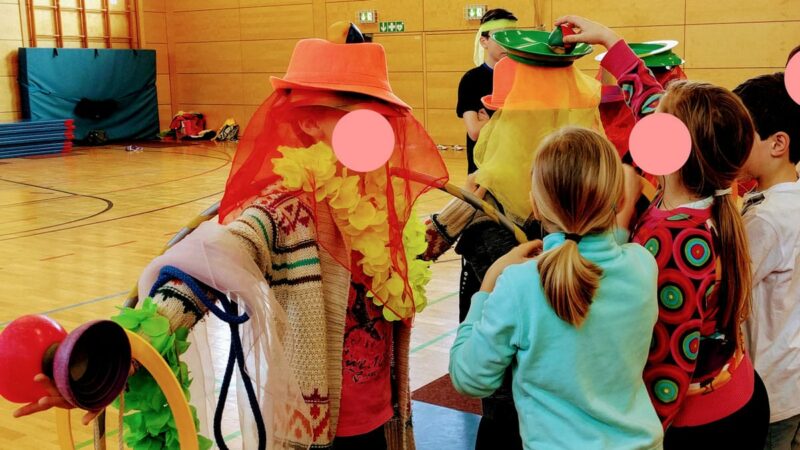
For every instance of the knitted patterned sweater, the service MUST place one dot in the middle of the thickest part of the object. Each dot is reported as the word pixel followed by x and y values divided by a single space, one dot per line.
pixel 280 234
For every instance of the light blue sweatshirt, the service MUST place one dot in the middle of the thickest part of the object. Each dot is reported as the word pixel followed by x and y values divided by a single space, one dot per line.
pixel 574 388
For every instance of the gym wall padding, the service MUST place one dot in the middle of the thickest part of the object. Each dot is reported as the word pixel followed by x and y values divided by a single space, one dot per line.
pixel 53 81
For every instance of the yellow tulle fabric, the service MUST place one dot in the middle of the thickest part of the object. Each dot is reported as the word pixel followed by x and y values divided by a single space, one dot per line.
pixel 540 101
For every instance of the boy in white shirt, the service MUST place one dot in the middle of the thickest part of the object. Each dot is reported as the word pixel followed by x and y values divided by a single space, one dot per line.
pixel 772 221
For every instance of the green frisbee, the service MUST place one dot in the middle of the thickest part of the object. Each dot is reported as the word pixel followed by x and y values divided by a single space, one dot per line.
pixel 530 47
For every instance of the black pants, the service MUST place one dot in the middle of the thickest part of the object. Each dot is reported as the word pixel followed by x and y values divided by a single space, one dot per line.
pixel 470 284
pixel 745 429
pixel 499 425
pixel 374 440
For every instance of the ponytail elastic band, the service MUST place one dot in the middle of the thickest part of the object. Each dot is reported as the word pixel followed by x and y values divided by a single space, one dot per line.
pixel 723 192
pixel 574 237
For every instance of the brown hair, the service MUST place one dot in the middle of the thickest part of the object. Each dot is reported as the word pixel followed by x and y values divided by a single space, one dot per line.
pixel 722 137
pixel 577 180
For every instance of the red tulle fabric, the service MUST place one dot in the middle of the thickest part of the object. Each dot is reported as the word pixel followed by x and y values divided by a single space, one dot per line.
pixel 415 162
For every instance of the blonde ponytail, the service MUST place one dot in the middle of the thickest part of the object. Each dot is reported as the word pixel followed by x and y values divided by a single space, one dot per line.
pixel 569 281
pixel 577 181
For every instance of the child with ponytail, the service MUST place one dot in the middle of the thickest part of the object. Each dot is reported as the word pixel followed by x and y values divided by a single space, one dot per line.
pixel 699 376
pixel 571 322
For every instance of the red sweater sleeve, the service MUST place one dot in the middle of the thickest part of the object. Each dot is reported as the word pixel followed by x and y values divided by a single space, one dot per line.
pixel 641 90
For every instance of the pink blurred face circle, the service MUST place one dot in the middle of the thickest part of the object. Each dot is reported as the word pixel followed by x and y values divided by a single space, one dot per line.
pixel 363 140
pixel 792 78
pixel 660 144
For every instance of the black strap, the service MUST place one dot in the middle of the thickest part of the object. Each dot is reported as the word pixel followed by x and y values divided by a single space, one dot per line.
pixel 231 316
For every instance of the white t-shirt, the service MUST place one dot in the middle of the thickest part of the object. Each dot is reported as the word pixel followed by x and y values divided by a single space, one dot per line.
pixel 773 330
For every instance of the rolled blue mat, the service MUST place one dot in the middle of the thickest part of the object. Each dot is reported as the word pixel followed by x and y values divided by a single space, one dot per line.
pixel 23 139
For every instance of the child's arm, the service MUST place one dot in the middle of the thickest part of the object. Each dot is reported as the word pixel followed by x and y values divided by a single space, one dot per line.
pixel 491 333
pixel 487 340
pixel 640 88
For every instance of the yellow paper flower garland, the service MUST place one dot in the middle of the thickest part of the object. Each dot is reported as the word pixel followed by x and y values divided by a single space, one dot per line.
pixel 363 218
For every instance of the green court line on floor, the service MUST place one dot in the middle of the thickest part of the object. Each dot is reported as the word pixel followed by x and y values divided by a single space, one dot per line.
pixel 434 340
pixel 441 299
pixel 74 305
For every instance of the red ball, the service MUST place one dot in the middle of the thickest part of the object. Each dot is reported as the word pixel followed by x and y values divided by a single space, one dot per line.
pixel 23 344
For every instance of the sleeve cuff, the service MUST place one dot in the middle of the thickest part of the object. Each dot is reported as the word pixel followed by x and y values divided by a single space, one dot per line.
pixel 619 59
pixel 476 307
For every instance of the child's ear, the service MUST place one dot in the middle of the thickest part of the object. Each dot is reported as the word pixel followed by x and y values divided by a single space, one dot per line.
pixel 780 144
pixel 484 42
pixel 311 127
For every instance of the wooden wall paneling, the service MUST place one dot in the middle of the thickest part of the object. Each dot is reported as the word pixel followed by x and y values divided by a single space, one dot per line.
pixel 252 3
pixel 247 113
pixel 320 18
pixel 164 116
pixel 208 57
pixel 154 26
pixel 729 78
pixel 203 5
pixel 121 29
pixel 154 5
pixel 409 11
pixel 71 24
pixel 727 11
pixel 9 94
pixel 442 88
pixel 448 15
pixel 419 114
pixel 740 45
pixel 45 24
pixel 8 57
pixel 445 127
pixel 409 86
pixel 277 22
pixel 205 26
pixel 162 56
pixel 209 89
pixel 267 55
pixel 615 13
pixel 163 89
pixel 256 87
pixel 451 52
pixel 403 52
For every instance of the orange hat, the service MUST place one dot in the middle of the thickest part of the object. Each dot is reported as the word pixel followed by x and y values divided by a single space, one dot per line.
pixel 503 80
pixel 358 68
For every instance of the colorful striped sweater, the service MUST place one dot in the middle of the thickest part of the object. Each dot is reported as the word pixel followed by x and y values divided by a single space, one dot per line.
pixel 280 234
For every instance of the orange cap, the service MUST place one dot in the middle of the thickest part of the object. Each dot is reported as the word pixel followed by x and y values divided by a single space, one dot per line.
pixel 503 81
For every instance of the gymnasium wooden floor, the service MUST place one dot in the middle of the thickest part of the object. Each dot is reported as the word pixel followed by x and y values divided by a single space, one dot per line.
pixel 76 230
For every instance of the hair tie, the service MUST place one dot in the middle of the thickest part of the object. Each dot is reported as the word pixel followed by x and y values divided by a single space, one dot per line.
pixel 574 237
pixel 723 192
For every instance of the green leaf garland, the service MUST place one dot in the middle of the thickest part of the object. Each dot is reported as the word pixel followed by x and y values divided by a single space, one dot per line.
pixel 148 421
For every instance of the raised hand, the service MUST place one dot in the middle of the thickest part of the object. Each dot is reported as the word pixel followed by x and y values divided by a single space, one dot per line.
pixel 588 32
pixel 518 255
